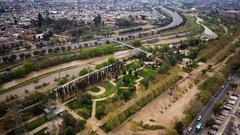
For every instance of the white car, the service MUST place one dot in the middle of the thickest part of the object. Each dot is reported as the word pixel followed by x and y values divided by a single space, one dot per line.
pixel 199 118
pixel 190 129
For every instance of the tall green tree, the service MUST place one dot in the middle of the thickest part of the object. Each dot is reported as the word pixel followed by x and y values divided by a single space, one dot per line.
pixel 179 127
pixel 40 20
pixel 97 21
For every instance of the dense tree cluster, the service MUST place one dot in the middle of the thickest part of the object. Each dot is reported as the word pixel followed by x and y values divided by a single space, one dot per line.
pixel 71 126
pixel 59 25
pixel 135 43
pixel 124 23
pixel 84 71
pixel 97 21
pixel 110 61
pixel 28 67
pixel 131 30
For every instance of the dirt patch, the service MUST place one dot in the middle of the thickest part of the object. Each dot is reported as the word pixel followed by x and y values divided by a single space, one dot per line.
pixel 166 108
pixel 163 110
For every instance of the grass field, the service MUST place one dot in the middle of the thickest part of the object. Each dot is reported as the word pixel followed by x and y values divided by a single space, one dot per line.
pixel 213 24
pixel 76 105
pixel 82 109
pixel 127 80
pixel 132 66
pixel 95 89
pixel 36 123
pixel 147 72
pixel 110 89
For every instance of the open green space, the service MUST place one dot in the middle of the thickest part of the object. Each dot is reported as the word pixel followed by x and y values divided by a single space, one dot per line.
pixel 71 126
pixel 124 94
pixel 110 61
pixel 110 89
pixel 105 107
pixel 83 109
pixel 36 123
pixel 127 80
pixel 84 71
pixel 32 125
pixel 95 89
pixel 2 66
pixel 214 25
pixel 166 81
pixel 147 72
pixel 132 66
pixel 101 109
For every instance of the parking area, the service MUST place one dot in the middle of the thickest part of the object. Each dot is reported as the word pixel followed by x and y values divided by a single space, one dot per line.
pixel 227 119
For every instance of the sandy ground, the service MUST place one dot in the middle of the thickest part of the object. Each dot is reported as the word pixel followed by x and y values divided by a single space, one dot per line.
pixel 166 108
pixel 163 110
pixel 172 41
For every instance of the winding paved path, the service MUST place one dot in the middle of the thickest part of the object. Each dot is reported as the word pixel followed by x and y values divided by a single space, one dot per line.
pixel 102 90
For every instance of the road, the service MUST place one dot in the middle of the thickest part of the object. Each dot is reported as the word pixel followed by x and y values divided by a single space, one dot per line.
pixel 207 112
pixel 208 33
pixel 132 47
pixel 177 20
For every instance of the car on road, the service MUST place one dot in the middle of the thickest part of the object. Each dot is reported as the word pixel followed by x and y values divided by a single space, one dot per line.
pixel 199 127
pixel 190 129
pixel 199 118
pixel 223 86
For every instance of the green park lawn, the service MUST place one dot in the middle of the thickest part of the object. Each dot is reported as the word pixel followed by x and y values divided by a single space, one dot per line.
pixel 110 89
pixel 82 109
pixel 127 80
pixel 147 72
pixel 36 123
pixel 95 89
pixel 132 66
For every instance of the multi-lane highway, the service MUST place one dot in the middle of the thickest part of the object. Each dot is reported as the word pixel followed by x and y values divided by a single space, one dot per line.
pixel 177 20
pixel 207 112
